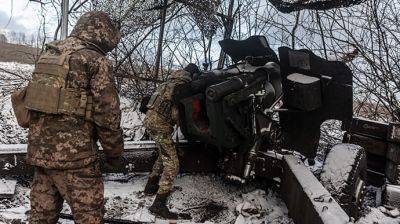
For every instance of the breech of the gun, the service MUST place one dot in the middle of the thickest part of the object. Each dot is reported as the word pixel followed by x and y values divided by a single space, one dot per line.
pixel 213 77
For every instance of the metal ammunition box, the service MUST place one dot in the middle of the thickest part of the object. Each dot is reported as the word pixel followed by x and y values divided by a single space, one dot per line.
pixel 371 145
pixel 367 127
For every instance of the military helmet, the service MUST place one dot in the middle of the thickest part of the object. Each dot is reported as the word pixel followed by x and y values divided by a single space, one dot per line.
pixel 97 28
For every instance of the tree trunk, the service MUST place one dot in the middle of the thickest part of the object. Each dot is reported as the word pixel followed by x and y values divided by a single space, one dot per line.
pixel 160 39
pixel 228 24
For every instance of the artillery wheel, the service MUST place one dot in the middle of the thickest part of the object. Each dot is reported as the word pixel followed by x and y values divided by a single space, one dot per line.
pixel 343 176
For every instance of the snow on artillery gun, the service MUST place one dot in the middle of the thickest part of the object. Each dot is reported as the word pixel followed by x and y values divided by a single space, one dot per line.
pixel 259 110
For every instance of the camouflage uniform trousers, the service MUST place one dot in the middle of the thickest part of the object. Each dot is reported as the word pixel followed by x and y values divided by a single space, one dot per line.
pixel 82 189
pixel 167 164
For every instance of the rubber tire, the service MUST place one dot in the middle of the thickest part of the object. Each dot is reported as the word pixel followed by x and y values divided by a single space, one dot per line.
pixel 349 165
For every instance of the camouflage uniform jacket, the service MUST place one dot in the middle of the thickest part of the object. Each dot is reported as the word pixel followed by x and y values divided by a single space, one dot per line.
pixel 164 123
pixel 70 142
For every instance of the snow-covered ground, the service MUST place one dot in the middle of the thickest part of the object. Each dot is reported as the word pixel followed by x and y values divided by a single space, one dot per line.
pixel 10 132
pixel 207 197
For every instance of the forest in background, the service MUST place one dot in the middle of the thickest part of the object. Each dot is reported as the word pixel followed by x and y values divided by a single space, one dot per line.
pixel 163 35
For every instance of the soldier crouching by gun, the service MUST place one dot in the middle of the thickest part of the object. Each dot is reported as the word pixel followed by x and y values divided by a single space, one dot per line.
pixel 160 119
pixel 73 102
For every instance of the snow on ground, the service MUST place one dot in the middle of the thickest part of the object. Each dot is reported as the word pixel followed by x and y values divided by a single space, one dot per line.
pixel 376 216
pixel 131 120
pixel 208 198
pixel 10 132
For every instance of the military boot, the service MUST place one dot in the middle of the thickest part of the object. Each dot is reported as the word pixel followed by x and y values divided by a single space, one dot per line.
pixel 159 208
pixel 152 186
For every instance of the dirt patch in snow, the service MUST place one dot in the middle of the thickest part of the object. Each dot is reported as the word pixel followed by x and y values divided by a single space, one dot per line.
pixel 208 198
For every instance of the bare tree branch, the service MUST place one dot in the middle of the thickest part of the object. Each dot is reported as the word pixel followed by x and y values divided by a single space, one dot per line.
pixel 287 6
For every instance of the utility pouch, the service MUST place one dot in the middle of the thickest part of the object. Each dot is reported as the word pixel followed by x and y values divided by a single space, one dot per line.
pixel 164 108
pixel 161 101
pixel 42 98
pixel 18 104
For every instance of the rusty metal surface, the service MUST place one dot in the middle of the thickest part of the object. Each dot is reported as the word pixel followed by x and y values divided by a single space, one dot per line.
pixel 307 200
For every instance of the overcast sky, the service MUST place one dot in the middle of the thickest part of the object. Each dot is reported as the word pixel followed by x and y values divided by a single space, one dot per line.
pixel 20 16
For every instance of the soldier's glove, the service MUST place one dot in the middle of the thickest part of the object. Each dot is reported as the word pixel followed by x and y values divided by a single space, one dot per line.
pixel 192 69
pixel 115 165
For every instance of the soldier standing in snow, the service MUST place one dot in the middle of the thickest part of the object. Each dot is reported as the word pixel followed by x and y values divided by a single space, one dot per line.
pixel 74 103
pixel 160 119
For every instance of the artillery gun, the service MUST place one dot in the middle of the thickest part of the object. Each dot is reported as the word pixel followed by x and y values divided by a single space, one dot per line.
pixel 259 110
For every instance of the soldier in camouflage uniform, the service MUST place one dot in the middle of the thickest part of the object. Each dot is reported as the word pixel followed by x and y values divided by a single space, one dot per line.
pixel 62 137
pixel 160 119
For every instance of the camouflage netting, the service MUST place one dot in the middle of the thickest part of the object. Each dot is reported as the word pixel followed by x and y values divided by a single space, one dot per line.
pixel 139 14
pixel 133 13
pixel 296 5
pixel 204 13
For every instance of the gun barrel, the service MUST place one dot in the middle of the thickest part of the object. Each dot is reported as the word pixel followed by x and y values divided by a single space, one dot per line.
pixel 217 91
pixel 236 83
